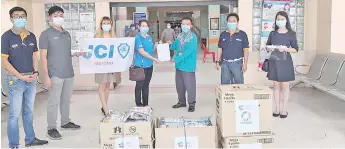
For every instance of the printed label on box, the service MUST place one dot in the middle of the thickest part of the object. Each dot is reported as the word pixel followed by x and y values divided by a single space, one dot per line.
pixel 251 146
pixel 186 142
pixel 127 142
pixel 247 116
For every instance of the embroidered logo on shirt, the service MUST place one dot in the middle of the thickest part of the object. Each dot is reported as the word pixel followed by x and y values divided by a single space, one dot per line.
pixel 224 39
pixel 56 37
pixel 238 39
pixel 14 46
pixel 31 44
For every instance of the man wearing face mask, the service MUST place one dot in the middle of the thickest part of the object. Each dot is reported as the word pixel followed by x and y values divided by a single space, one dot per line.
pixel 132 32
pixel 233 52
pixel 168 36
pixel 186 47
pixel 19 57
pixel 56 58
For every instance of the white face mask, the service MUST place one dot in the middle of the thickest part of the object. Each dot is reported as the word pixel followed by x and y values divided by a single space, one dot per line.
pixel 168 26
pixel 58 21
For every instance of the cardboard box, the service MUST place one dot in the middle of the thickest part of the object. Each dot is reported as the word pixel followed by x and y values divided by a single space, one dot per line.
pixel 244 110
pixel 113 133
pixel 196 137
pixel 253 142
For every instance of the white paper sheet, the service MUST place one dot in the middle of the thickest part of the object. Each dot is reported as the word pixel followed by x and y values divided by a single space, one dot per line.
pixel 163 52
pixel 247 116
pixel 190 142
pixel 127 143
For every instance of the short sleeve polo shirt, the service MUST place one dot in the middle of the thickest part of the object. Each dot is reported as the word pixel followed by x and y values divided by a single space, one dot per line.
pixel 233 45
pixel 59 56
pixel 148 46
pixel 19 48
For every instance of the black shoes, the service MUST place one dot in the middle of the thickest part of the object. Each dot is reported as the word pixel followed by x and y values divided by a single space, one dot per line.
pixel 280 115
pixel 103 111
pixel 179 105
pixel 71 126
pixel 191 109
pixel 36 142
pixel 54 134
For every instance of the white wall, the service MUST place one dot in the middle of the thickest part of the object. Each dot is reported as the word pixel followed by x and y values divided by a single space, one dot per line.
pixel 338 26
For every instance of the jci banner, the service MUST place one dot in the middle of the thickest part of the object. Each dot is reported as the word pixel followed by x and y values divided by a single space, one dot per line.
pixel 106 55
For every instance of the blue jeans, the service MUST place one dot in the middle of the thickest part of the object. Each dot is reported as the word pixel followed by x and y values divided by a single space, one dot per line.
pixel 21 95
pixel 231 72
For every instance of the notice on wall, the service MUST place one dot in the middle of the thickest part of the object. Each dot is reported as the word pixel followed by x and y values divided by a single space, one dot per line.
pixel 247 116
pixel 137 16
pixel 86 17
pixel 186 142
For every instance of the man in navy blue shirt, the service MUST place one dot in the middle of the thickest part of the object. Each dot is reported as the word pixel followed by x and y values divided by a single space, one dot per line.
pixel 19 58
pixel 233 52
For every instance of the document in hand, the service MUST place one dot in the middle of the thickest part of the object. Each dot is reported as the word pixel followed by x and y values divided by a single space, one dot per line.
pixel 163 52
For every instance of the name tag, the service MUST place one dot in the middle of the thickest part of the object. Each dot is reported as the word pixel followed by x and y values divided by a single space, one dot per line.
pixel 238 39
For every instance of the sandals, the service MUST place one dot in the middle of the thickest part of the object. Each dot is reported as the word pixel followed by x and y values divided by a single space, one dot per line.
pixel 280 115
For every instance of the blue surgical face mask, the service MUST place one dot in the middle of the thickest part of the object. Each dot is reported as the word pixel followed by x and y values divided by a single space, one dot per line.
pixel 232 26
pixel 144 30
pixel 185 28
pixel 106 27
pixel 281 23
pixel 19 23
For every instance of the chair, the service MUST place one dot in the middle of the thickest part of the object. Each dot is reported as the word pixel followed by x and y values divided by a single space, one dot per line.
pixel 206 52
pixel 315 69
pixel 339 86
pixel 329 74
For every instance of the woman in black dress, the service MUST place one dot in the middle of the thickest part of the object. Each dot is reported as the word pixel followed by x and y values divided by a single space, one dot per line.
pixel 282 71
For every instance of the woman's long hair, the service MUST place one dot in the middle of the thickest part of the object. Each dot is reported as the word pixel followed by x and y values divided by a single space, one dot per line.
pixel 288 24
pixel 99 32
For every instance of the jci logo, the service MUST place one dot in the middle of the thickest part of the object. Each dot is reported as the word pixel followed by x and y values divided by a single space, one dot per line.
pixel 102 51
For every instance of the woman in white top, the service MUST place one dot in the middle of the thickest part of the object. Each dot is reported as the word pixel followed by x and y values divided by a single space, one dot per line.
pixel 105 30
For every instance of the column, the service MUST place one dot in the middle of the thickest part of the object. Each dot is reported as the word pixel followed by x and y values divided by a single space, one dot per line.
pixel 245 13
pixel 142 9
pixel 213 37
pixel 324 12
pixel 337 26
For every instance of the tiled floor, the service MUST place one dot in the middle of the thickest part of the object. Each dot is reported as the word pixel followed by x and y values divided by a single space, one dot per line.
pixel 316 120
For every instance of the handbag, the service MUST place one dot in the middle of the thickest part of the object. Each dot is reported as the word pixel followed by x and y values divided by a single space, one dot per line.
pixel 136 73
pixel 265 66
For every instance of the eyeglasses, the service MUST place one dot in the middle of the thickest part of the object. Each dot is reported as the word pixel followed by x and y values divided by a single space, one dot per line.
pixel 19 17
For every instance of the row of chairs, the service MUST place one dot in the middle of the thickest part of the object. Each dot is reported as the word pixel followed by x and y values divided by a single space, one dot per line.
pixel 326 73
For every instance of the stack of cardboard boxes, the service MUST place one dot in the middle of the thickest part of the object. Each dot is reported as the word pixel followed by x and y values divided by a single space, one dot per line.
pixel 244 116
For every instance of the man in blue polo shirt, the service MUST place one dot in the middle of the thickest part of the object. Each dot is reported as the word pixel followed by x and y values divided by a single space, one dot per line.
pixel 233 52
pixel 19 58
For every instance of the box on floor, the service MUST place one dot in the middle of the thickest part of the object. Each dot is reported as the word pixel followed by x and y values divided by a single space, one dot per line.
pixel 244 110
pixel 196 137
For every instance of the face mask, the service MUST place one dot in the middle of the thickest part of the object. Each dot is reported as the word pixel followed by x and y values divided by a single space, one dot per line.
pixel 185 28
pixel 58 21
pixel 19 23
pixel 144 30
pixel 232 26
pixel 168 26
pixel 133 28
pixel 106 27
pixel 281 23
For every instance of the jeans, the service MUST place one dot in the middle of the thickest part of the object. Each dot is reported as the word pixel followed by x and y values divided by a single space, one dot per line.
pixel 142 88
pixel 59 97
pixel 186 82
pixel 231 72
pixel 21 96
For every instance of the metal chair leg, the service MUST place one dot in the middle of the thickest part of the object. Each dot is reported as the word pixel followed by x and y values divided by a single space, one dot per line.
pixel 298 83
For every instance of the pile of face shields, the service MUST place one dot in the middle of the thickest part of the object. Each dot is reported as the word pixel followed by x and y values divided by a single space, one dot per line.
pixel 184 122
pixel 138 114
pixel 113 116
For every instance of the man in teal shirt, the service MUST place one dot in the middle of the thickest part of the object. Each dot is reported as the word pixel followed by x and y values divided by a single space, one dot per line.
pixel 185 47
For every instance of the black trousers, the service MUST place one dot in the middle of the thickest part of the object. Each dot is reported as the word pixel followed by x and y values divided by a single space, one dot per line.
pixel 172 53
pixel 142 88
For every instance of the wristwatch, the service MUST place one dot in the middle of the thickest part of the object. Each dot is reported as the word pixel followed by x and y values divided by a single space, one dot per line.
pixel 36 72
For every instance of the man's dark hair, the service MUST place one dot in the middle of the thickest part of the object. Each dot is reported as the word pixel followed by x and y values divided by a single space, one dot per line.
pixel 233 15
pixel 17 9
pixel 55 9
pixel 187 18
pixel 142 21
